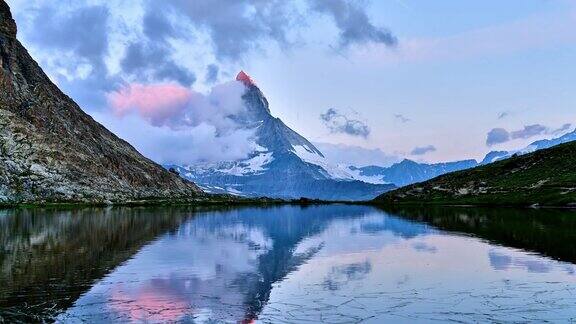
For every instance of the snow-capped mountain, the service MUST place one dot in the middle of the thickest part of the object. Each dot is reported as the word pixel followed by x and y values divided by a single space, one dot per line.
pixel 408 171
pixel 283 164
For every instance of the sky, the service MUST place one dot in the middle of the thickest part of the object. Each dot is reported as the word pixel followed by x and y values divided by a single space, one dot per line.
pixel 371 82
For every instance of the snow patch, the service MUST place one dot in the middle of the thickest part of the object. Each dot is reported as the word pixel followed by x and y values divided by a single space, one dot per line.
pixel 308 155
pixel 254 165
pixel 375 179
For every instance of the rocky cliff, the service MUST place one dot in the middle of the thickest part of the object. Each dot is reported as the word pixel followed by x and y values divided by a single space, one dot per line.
pixel 51 151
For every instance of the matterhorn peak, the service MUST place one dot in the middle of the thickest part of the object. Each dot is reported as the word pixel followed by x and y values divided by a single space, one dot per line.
pixel 244 78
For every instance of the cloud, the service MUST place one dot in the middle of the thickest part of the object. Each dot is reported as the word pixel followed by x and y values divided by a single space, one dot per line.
pixel 82 31
pixel 187 145
pixel 74 45
pixel 150 58
pixel 236 27
pixel 339 123
pixel 353 23
pixel 212 71
pixel 158 104
pixel 356 155
pixel 502 261
pixel 497 136
pixel 564 128
pixel 126 59
pixel 422 150
pixel 90 50
pixel 515 36
pixel 178 107
pixel 151 62
pixel 174 124
pixel 529 131
pixel 501 135
pixel 424 247
pixel 401 118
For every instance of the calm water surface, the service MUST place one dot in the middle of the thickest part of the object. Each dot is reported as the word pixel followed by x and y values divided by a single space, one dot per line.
pixel 333 264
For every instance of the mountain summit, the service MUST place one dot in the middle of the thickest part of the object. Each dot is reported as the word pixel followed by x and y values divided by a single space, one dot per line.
pixel 51 151
pixel 283 163
pixel 244 78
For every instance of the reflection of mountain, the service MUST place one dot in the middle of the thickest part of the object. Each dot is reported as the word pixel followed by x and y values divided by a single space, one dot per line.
pixel 235 256
pixel 131 264
pixel 49 258
pixel 548 232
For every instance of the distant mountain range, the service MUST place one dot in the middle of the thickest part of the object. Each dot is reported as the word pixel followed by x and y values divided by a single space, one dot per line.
pixel 284 164
pixel 545 177
pixel 408 172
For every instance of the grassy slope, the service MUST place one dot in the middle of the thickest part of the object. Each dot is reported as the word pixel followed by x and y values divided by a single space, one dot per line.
pixel 545 177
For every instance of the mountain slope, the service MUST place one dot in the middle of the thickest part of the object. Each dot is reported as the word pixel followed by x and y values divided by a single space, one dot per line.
pixel 50 150
pixel 284 164
pixel 545 177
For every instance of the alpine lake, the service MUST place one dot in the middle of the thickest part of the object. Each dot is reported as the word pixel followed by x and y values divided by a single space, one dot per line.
pixel 287 264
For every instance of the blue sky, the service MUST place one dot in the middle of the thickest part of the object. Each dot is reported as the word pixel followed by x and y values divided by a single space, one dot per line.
pixel 427 80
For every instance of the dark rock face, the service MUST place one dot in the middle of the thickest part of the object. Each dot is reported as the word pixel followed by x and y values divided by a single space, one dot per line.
pixel 51 151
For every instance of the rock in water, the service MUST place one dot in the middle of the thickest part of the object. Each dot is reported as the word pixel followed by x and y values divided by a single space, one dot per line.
pixel 51 151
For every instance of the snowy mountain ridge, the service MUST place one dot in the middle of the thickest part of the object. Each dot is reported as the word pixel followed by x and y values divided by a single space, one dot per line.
pixel 283 164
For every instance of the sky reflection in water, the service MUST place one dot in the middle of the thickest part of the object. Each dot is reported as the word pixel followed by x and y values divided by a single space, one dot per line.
pixel 330 264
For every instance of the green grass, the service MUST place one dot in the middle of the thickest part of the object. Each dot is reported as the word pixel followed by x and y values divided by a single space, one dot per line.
pixel 206 200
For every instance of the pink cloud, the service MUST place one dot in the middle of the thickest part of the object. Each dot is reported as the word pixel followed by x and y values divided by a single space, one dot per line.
pixel 157 103
pixel 150 303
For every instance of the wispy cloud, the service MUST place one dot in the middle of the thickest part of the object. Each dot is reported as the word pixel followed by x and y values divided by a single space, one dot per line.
pixel 564 128
pixel 353 23
pixel 422 150
pixel 501 135
pixel 90 48
pixel 212 71
pixel 187 126
pixel 497 136
pixel 340 123
pixel 402 118
pixel 501 39
pixel 176 106
pixel 529 131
